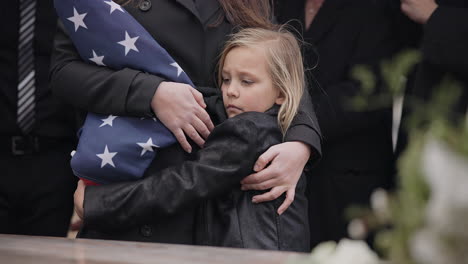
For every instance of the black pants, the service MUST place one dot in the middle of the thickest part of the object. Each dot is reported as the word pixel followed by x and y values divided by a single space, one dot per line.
pixel 36 192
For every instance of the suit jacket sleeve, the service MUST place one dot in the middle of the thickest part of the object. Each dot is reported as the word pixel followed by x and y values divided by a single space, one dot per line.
pixel 446 39
pixel 228 156
pixel 305 127
pixel 97 89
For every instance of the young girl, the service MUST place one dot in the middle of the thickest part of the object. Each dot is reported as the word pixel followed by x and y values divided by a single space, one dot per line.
pixel 262 81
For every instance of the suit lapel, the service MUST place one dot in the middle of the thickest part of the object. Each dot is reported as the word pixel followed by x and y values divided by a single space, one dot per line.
pixel 202 9
pixel 207 9
pixel 190 5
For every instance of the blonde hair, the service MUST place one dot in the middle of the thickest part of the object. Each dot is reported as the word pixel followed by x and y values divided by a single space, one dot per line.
pixel 284 63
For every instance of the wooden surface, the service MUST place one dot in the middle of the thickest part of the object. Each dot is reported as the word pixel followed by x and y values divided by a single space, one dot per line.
pixel 29 249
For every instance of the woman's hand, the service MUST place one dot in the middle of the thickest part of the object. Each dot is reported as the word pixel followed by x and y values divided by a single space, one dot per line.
pixel 418 10
pixel 287 161
pixel 181 108
pixel 79 198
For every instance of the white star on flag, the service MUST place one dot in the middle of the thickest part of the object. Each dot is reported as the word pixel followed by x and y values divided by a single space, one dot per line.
pixel 78 19
pixel 129 43
pixel 108 120
pixel 107 157
pixel 97 59
pixel 179 69
pixel 148 146
pixel 114 6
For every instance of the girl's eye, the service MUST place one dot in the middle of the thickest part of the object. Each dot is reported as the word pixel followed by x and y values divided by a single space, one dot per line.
pixel 247 82
pixel 226 80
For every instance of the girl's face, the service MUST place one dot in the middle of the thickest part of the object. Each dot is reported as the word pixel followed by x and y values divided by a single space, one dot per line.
pixel 246 82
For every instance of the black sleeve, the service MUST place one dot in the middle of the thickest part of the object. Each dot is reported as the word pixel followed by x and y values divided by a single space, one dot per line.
pixel 305 127
pixel 97 89
pixel 228 156
pixel 445 42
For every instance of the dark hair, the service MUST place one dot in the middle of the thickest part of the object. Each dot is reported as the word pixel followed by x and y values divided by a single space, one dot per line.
pixel 241 13
pixel 248 13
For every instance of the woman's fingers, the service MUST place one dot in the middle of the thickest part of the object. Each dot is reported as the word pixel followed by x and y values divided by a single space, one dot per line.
pixel 201 127
pixel 265 185
pixel 203 116
pixel 269 196
pixel 198 97
pixel 259 177
pixel 180 136
pixel 276 192
pixel 181 109
pixel 192 133
pixel 290 194
pixel 263 173
pixel 78 198
pixel 265 159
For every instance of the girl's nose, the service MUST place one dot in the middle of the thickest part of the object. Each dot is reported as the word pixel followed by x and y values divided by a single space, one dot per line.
pixel 232 89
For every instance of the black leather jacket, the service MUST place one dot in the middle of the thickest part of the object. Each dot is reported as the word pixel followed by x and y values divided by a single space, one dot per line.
pixel 200 201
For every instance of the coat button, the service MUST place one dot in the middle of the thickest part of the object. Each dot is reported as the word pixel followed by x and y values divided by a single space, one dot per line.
pixel 146 231
pixel 145 5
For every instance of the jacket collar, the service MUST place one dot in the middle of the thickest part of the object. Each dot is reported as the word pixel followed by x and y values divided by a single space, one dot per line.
pixel 273 111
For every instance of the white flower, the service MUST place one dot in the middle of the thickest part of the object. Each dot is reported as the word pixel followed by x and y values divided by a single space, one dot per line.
pixel 379 204
pixel 323 252
pixel 353 252
pixel 426 247
pixel 346 252
pixel 357 229
pixel 447 176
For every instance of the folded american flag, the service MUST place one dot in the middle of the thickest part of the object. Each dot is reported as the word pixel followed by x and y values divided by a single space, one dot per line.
pixel 115 148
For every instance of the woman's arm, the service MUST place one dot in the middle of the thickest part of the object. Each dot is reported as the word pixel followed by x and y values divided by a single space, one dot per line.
pixel 305 128
pixel 286 161
pixel 98 89
pixel 228 156
pixel 127 92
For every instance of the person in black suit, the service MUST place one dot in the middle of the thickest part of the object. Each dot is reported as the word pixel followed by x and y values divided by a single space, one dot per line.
pixel 38 131
pixel 442 38
pixel 357 147
pixel 193 33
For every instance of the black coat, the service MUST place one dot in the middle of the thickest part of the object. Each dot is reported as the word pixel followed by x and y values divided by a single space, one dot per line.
pixel 357 146
pixel 193 41
pixel 205 183
pixel 443 43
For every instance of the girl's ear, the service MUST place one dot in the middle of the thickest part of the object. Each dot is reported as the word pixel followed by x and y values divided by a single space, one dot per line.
pixel 280 99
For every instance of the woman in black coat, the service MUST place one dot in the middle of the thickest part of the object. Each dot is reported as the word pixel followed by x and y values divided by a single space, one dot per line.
pixel 441 29
pixel 193 32
pixel 357 146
